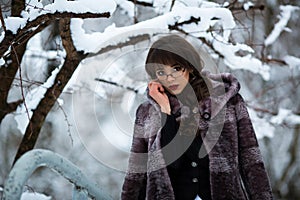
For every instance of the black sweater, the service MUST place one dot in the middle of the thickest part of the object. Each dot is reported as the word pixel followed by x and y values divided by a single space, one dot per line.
pixel 188 173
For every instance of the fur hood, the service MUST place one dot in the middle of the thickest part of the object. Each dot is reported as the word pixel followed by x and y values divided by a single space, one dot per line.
pixel 235 163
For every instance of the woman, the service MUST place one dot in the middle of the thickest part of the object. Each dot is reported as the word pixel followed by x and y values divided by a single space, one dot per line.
pixel 193 137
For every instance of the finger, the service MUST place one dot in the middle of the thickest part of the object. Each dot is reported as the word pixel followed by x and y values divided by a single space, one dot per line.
pixel 161 88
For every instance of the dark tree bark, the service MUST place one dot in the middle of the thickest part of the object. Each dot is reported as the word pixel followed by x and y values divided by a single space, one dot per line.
pixel 7 74
pixel 72 60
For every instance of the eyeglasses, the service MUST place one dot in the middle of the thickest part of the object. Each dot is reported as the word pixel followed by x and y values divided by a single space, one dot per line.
pixel 177 71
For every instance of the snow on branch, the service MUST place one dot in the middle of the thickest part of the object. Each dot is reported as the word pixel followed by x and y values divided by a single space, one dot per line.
pixel 142 3
pixel 32 100
pixel 266 127
pixel 36 16
pixel 287 117
pixel 194 21
pixel 113 35
pixel 247 62
pixel 284 17
pixel 80 8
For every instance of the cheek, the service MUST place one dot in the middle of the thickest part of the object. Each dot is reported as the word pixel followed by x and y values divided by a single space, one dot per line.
pixel 185 80
pixel 186 76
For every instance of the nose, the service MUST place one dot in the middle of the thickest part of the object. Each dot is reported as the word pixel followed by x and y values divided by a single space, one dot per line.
pixel 170 78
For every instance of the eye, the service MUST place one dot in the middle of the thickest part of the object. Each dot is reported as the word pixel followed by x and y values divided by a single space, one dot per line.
pixel 160 73
pixel 177 68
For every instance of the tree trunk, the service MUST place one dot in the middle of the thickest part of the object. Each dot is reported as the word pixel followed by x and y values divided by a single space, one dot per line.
pixel 73 58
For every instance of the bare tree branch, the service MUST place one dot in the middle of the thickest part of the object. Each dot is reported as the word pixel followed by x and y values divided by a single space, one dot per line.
pixel 172 5
pixel 116 84
pixel 43 20
pixel 73 58
pixel 19 41
pixel 2 19
pixel 142 3
pixel 293 150
pixel 131 41
pixel 8 73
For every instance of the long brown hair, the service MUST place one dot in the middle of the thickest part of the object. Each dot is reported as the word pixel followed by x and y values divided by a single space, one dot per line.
pixel 173 49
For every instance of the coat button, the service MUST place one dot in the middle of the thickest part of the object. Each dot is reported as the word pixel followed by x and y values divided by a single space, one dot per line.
pixel 206 116
pixel 195 110
pixel 195 180
pixel 194 164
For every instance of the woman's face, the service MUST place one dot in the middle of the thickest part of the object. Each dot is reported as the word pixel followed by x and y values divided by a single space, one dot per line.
pixel 174 78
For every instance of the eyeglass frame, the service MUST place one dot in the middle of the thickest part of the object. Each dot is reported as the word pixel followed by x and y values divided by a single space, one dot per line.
pixel 171 74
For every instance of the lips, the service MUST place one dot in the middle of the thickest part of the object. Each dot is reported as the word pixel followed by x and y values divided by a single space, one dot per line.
pixel 173 87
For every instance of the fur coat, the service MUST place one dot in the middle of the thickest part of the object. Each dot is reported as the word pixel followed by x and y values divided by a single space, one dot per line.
pixel 236 167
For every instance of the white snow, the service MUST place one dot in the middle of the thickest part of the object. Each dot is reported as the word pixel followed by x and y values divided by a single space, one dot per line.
pixel 34 196
pixel 247 5
pixel 91 43
pixel 32 100
pixel 285 15
pixel 293 62
pixel 262 126
pixel 2 61
pixel 114 35
pixel 35 9
pixel 15 23
pixel 127 6
pixel 81 6
pixel 285 116
pixel 233 61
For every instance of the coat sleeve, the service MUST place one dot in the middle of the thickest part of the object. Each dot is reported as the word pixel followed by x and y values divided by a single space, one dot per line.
pixel 253 171
pixel 134 186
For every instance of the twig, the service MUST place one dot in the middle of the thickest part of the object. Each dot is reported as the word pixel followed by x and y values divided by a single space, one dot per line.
pixel 142 3
pixel 172 5
pixel 2 20
pixel 68 123
pixel 117 84
pixel 43 20
pixel 135 20
pixel 131 41
pixel 293 157
pixel 21 86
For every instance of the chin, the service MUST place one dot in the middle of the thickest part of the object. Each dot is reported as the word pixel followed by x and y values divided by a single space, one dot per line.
pixel 176 92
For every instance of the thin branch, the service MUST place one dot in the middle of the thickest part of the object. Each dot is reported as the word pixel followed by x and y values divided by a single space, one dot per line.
pixel 255 7
pixel 142 3
pixel 293 150
pixel 190 21
pixel 130 41
pixel 135 20
pixel 21 39
pixel 2 20
pixel 232 6
pixel 43 20
pixel 261 109
pixel 72 60
pixel 67 121
pixel 172 5
pixel 117 84
pixel 21 84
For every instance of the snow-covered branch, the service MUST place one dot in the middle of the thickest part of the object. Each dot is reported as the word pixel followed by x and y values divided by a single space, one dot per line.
pixel 36 15
pixel 284 17
pixel 287 117
pixel 47 97
pixel 194 21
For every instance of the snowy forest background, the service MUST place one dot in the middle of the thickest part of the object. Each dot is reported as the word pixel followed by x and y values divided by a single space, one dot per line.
pixel 72 76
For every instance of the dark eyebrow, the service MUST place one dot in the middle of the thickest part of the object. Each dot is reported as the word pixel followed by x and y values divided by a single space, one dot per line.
pixel 159 68
pixel 175 64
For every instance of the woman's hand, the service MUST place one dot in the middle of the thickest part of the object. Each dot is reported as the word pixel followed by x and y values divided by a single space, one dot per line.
pixel 156 91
